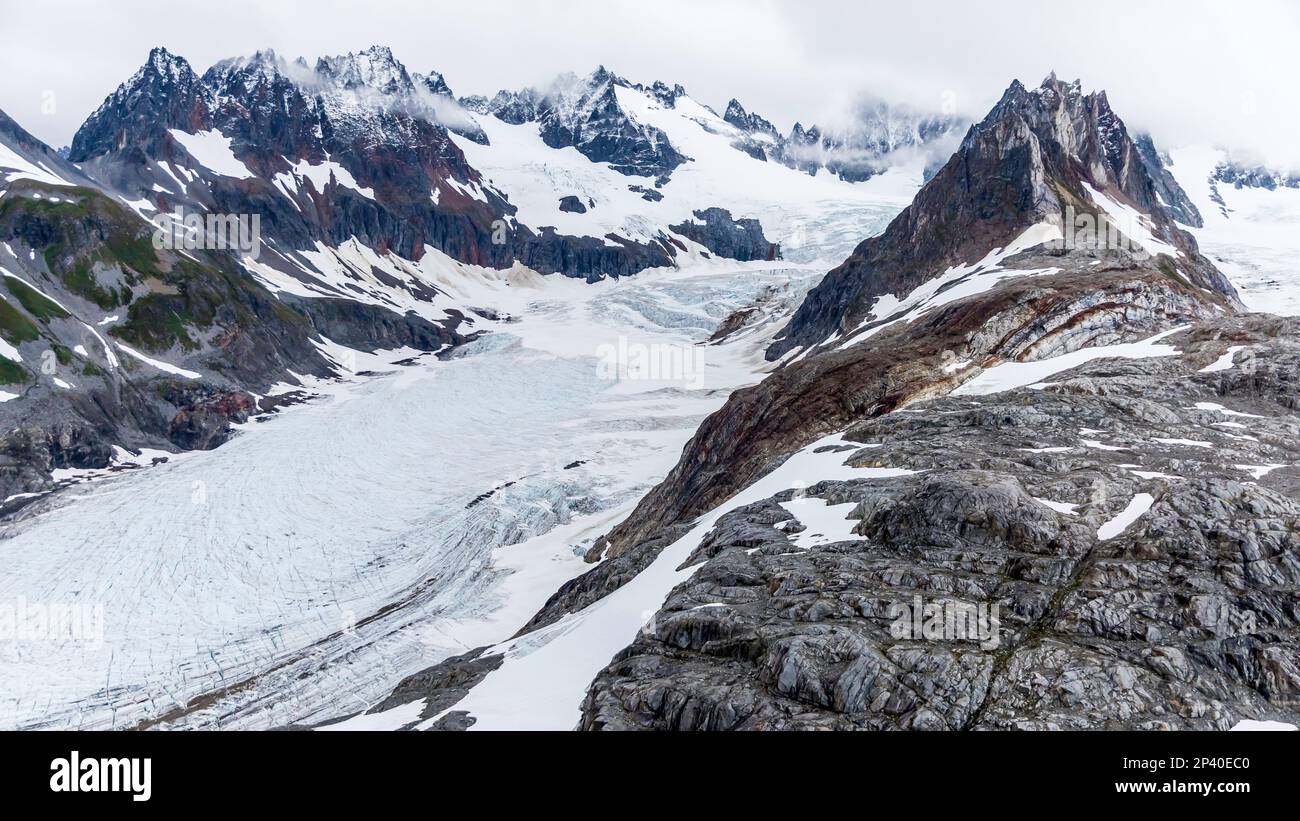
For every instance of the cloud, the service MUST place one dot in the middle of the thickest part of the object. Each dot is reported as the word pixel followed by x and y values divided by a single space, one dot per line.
pixel 1215 72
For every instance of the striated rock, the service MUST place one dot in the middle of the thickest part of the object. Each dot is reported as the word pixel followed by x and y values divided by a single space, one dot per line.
pixel 1022 319
pixel 1187 618
pixel 1170 194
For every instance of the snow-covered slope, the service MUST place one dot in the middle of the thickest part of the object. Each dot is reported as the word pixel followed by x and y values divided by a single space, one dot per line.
pixel 1251 233
pixel 793 207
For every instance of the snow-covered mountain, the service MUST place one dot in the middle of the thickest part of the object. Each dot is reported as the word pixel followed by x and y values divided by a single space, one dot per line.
pixel 403 165
pixel 872 139
pixel 378 195
pixel 586 114
pixel 1251 223
pixel 1042 157
pixel 999 364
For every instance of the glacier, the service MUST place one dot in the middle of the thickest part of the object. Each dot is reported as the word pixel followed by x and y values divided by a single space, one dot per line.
pixel 402 515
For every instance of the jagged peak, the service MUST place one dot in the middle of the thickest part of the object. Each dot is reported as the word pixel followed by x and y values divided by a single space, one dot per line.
pixel 602 76
pixel 374 67
pixel 677 88
pixel 568 89
pixel 165 79
pixel 1035 156
pixel 1051 81
pixel 434 82
pixel 262 64
pixel 664 93
pixel 799 134
pixel 748 121
pixel 160 58
pixel 1052 95
pixel 163 64
pixel 1058 119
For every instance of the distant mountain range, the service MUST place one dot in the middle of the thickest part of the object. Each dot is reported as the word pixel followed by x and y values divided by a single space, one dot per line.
pixel 369 184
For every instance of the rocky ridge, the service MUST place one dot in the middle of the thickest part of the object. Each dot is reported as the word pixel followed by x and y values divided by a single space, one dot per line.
pixel 1186 616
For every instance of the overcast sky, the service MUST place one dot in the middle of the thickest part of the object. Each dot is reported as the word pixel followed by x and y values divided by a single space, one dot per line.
pixel 1220 72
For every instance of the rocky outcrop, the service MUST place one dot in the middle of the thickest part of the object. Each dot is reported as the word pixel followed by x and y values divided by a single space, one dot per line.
pixel 1181 616
pixel 205 415
pixel 572 205
pixel 731 238
pixel 1024 319
pixel 369 327
pixel 1170 194
pixel 1240 175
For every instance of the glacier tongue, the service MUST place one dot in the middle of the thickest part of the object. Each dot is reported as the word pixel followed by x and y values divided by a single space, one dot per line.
pixel 301 570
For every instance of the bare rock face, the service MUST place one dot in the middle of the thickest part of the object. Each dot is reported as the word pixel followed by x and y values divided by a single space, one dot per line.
pixel 1021 320
pixel 740 239
pixel 204 418
pixel 1183 616
pixel 1169 192
pixel 572 205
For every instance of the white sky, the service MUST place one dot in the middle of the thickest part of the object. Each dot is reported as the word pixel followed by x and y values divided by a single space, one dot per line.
pixel 1211 71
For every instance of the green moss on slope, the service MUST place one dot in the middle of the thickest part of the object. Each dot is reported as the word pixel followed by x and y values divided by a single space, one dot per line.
pixel 15 327
pixel 36 303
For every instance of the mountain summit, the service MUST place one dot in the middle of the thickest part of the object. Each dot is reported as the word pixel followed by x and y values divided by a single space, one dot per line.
pixel 1039 156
